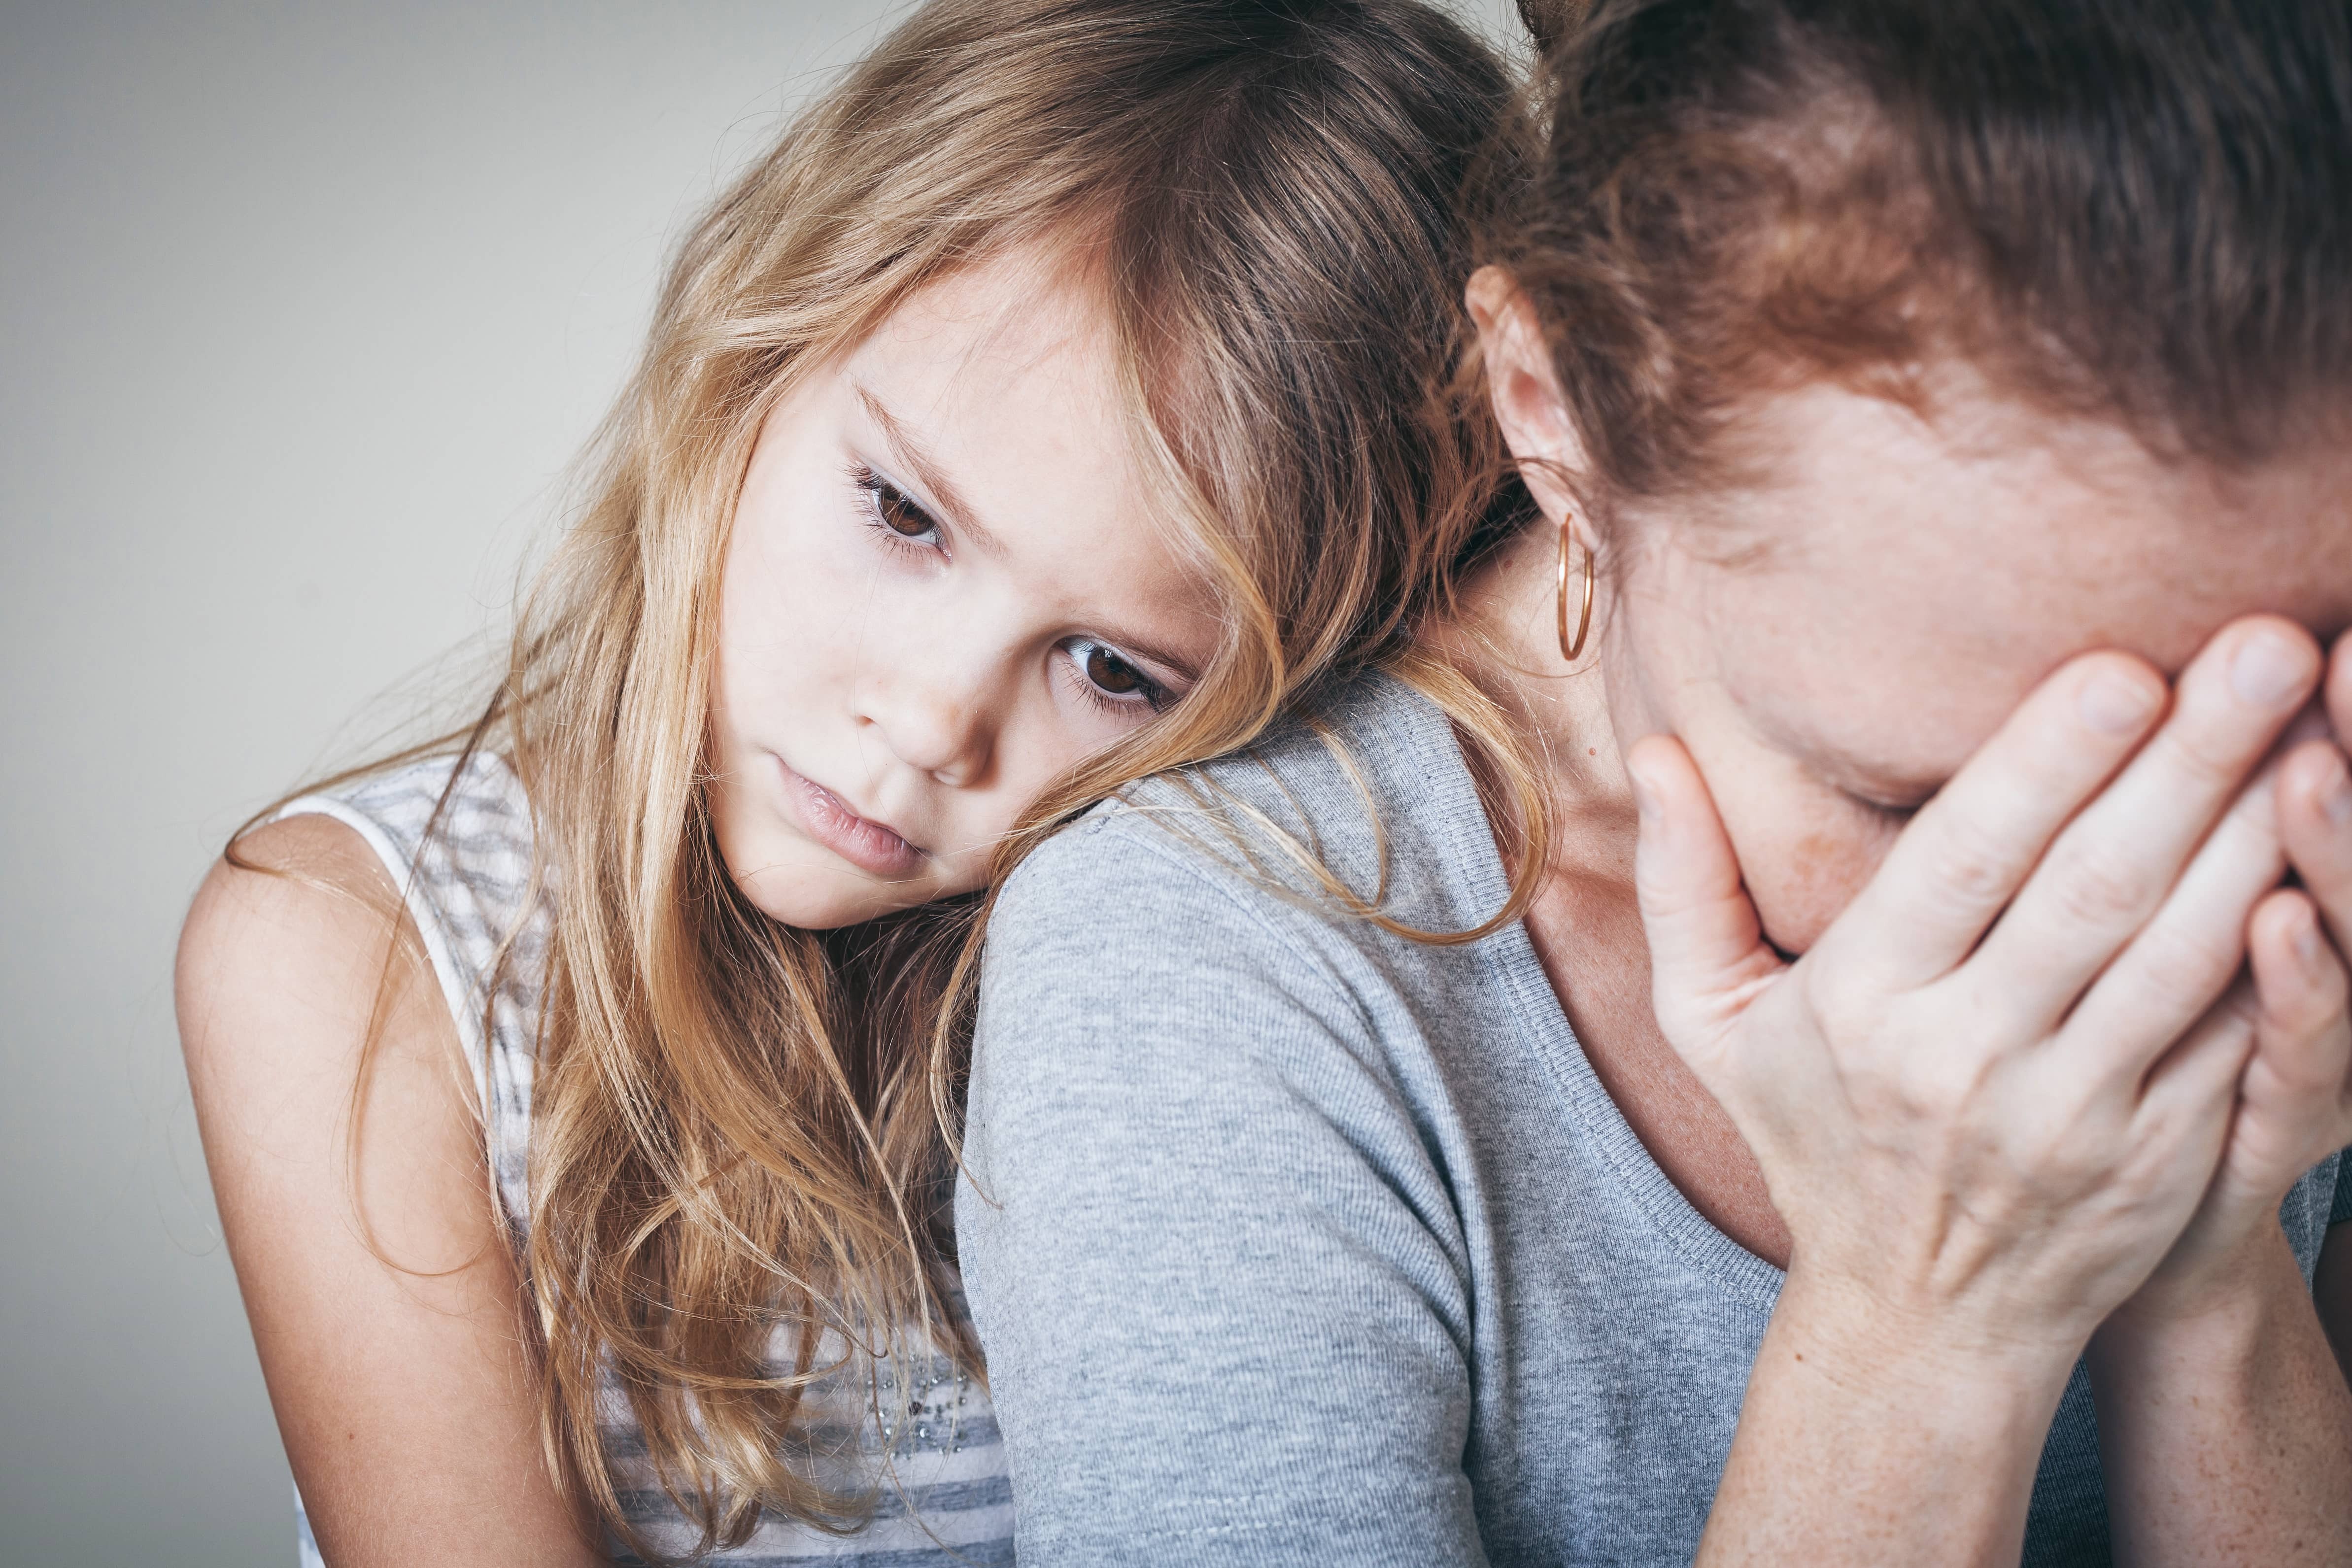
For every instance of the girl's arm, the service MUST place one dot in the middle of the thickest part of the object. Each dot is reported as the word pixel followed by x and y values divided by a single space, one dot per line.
pixel 382 1295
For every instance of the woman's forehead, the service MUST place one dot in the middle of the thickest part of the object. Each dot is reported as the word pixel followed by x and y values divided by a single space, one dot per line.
pixel 1915 584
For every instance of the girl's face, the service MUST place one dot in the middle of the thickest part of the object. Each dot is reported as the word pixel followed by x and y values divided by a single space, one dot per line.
pixel 1832 641
pixel 944 586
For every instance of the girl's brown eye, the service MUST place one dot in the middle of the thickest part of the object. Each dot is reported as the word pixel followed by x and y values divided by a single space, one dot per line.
pixel 1112 673
pixel 901 516
pixel 894 510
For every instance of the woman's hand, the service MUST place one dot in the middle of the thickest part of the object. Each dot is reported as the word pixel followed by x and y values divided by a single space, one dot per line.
pixel 2295 1098
pixel 1990 1100
pixel 1993 1101
pixel 2225 1426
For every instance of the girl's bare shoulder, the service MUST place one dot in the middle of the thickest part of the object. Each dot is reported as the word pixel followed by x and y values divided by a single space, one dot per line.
pixel 302 896
pixel 297 953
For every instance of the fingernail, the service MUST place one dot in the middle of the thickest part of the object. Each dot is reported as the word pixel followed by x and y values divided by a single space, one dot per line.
pixel 2115 705
pixel 2268 670
pixel 1645 798
pixel 2335 793
pixel 2306 942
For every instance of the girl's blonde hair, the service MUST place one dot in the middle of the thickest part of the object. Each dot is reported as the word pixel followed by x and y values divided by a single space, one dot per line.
pixel 740 1127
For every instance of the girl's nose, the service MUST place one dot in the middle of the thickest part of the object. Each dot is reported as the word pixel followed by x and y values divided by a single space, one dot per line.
pixel 933 722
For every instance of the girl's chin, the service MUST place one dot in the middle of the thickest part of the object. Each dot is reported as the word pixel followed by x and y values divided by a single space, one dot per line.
pixel 802 884
pixel 824 895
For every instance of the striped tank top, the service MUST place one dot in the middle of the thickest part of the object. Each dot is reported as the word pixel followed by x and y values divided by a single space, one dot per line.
pixel 917 1430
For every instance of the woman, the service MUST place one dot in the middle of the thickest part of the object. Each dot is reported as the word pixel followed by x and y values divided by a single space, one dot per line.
pixel 1886 1106
pixel 1001 436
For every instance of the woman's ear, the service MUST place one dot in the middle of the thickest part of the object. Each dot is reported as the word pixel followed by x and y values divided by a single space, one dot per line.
pixel 1520 378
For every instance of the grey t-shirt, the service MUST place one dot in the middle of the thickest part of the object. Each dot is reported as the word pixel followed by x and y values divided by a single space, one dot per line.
pixel 1299 1242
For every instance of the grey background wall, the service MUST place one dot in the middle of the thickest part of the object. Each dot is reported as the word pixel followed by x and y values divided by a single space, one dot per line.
pixel 302 311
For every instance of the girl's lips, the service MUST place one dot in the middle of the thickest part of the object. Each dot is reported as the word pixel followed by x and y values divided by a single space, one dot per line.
pixel 865 844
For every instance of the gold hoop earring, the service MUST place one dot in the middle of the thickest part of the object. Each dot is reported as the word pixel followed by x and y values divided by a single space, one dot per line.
pixel 1570 648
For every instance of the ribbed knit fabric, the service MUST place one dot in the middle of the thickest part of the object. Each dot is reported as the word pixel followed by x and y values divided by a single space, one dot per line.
pixel 1295 1242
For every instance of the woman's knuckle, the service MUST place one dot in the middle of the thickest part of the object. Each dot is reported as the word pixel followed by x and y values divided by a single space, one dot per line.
pixel 2333 992
pixel 1970 866
pixel 2211 758
pixel 2101 888
pixel 2298 1013
pixel 2253 816
pixel 2179 975
pixel 1842 1005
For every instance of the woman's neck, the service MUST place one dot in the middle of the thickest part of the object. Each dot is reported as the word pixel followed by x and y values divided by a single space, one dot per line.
pixel 1585 923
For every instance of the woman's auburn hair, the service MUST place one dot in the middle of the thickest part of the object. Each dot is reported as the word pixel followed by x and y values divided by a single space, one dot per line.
pixel 2138 210
pixel 743 1133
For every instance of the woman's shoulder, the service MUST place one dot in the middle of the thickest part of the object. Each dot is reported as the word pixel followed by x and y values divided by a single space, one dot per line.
pixel 1364 804
pixel 1185 933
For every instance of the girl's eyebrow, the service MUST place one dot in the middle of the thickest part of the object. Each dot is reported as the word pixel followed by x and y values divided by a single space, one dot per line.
pixel 931 476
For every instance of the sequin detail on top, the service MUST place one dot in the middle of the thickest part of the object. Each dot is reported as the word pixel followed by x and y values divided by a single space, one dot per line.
pixel 917 1430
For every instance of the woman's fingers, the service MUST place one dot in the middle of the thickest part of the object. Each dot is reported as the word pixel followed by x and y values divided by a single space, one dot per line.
pixel 2294 955
pixel 2304 1035
pixel 2188 1120
pixel 2116 864
pixel 1708 952
pixel 2339 689
pixel 2290 1105
pixel 2316 822
pixel 1964 857
pixel 2187 1102
pixel 2284 1110
pixel 2181 962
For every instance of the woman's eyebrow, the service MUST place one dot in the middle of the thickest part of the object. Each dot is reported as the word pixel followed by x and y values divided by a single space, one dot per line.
pixel 928 473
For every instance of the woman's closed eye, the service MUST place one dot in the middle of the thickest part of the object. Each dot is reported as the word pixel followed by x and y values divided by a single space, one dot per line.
pixel 902 523
pixel 1111 681
pixel 1888 811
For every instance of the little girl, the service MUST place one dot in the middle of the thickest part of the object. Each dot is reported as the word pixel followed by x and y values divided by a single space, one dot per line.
pixel 1040 412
